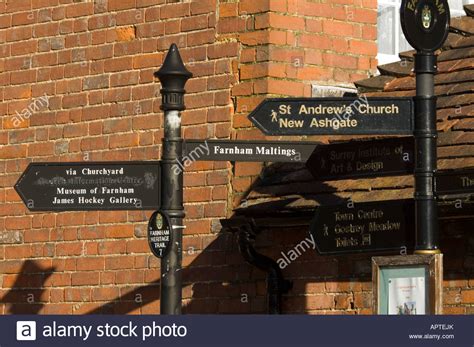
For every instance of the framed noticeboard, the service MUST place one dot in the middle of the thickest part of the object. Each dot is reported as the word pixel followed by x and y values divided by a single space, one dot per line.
pixel 407 285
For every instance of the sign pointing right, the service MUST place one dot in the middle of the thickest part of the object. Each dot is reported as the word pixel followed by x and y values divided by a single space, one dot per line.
pixel 455 182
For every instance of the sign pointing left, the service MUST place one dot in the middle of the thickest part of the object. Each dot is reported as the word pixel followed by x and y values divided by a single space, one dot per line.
pixel 334 116
pixel 364 227
pixel 90 186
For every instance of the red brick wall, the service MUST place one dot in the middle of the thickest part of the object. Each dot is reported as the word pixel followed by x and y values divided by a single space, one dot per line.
pixel 94 60
pixel 296 43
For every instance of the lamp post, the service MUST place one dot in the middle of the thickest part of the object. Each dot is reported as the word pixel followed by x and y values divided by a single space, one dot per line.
pixel 173 76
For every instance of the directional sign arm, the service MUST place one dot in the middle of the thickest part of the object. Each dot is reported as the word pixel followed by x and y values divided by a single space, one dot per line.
pixel 90 186
pixel 334 116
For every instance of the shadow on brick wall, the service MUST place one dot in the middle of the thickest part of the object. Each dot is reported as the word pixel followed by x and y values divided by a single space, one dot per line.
pixel 28 293
pixel 209 286
pixel 281 204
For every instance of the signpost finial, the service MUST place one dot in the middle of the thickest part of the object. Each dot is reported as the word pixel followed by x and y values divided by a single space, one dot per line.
pixel 173 76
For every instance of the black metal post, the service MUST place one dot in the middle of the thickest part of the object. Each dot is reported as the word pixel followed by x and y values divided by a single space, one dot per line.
pixel 173 76
pixel 425 154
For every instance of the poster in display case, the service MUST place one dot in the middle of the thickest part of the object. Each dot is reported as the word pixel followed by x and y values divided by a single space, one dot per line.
pixel 407 284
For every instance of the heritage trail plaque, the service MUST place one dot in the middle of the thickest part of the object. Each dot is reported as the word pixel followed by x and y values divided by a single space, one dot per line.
pixel 357 159
pixel 90 186
pixel 159 233
pixel 364 227
pixel 334 116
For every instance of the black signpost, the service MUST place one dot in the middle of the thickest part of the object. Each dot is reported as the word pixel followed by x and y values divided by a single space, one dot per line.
pixel 334 116
pixel 173 76
pixel 364 227
pixel 90 186
pixel 240 150
pixel 425 24
pixel 358 159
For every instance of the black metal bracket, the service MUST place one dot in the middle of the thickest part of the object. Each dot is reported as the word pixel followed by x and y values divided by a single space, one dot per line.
pixel 425 62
